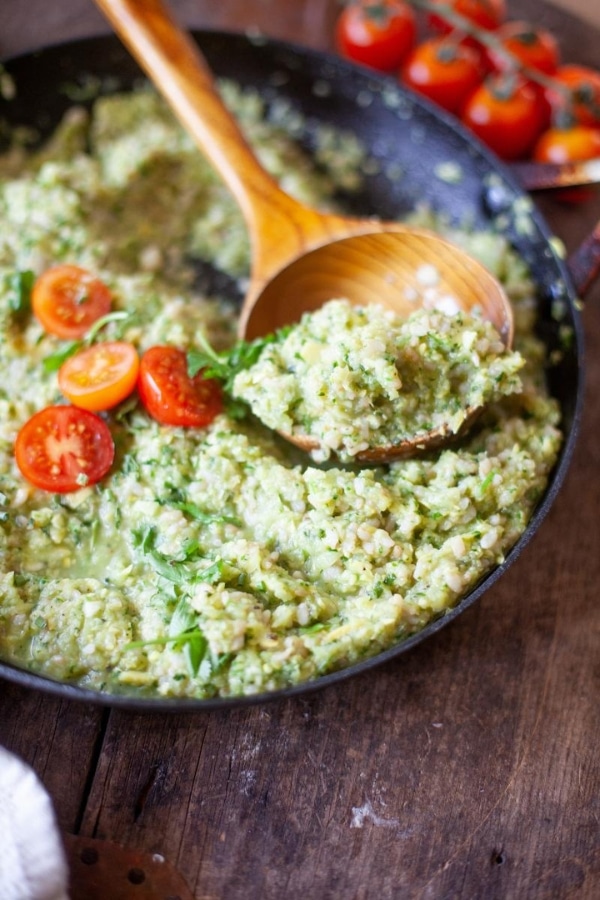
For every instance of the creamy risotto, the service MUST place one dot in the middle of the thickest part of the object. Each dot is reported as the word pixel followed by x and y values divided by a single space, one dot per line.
pixel 219 561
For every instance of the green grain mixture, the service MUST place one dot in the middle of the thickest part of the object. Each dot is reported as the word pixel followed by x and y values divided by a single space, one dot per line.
pixel 220 561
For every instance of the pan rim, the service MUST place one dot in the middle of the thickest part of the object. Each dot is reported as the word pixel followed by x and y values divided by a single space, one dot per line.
pixel 151 704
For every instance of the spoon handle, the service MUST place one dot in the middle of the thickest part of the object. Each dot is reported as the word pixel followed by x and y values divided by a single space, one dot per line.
pixel 174 63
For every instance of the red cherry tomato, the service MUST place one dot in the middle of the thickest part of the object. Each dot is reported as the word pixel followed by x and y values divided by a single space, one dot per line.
pixel 376 33
pixel 67 300
pixel 505 114
pixel 169 394
pixel 63 448
pixel 562 145
pixel 535 48
pixel 444 71
pixel 101 376
pixel 575 99
pixel 488 14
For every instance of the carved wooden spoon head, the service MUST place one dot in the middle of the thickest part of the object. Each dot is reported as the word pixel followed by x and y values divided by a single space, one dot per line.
pixel 301 258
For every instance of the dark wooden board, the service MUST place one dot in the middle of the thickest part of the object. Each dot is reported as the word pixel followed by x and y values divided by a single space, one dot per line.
pixel 468 768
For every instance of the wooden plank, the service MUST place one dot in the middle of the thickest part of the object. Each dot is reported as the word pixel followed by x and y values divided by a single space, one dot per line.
pixel 468 768
pixel 60 740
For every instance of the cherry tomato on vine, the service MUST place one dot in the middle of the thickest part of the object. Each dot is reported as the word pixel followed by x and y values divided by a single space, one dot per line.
pixel 63 448
pixel 443 71
pixel 488 14
pixel 576 97
pixel 376 33
pixel 171 396
pixel 67 300
pixel 100 376
pixel 563 145
pixel 504 112
pixel 534 47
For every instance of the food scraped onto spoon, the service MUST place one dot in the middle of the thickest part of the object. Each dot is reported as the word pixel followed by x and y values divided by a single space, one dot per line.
pixel 348 379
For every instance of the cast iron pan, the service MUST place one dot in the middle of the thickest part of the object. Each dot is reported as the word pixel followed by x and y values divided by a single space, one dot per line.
pixel 405 135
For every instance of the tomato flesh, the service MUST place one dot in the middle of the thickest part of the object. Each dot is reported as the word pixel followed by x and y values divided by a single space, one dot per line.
pixel 169 394
pixel 67 300
pixel 376 33
pixel 62 449
pixel 101 376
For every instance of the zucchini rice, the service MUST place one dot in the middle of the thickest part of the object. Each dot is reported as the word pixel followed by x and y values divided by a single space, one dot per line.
pixel 220 561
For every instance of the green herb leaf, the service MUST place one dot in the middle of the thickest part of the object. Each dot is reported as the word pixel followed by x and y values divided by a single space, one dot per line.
pixel 194 650
pixel 170 569
pixel 183 619
pixel 183 627
pixel 19 284
pixel 53 362
pixel 178 570
pixel 225 366
pixel 117 316
pixel 199 515
pixel 213 573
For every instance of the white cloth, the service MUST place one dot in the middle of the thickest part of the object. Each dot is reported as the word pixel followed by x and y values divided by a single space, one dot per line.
pixel 33 865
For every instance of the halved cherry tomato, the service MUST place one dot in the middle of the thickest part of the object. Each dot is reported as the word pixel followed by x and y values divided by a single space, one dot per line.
pixel 575 99
pixel 101 376
pixel 576 144
pixel 376 33
pixel 169 394
pixel 444 71
pixel 504 112
pixel 63 448
pixel 67 300
pixel 488 14
pixel 534 47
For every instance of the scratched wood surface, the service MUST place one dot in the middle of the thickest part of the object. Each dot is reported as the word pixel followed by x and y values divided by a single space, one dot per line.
pixel 468 768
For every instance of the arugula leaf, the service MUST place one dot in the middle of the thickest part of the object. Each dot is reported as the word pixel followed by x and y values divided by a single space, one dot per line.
pixel 54 361
pixel 199 515
pixel 194 650
pixel 213 573
pixel 178 570
pixel 183 619
pixel 184 634
pixel 226 365
pixel 170 569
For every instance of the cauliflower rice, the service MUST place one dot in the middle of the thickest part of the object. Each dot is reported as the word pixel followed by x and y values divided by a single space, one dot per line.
pixel 221 562
pixel 354 379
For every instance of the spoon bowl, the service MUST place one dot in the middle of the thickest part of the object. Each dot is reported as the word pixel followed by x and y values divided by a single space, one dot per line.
pixel 301 257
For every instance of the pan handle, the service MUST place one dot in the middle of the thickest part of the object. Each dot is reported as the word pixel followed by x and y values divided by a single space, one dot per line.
pixel 536 176
pixel 584 262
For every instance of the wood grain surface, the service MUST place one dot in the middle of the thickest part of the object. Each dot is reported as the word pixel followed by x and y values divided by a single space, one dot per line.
pixel 468 768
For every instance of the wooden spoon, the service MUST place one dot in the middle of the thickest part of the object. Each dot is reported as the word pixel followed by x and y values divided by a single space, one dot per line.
pixel 300 257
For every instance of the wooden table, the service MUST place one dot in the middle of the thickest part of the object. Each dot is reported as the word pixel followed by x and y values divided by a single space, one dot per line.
pixel 468 768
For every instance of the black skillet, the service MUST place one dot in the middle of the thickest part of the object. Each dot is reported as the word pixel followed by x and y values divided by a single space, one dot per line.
pixel 406 136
